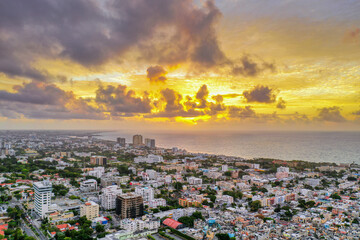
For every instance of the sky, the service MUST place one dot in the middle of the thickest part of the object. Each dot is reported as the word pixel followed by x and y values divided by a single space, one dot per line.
pixel 180 65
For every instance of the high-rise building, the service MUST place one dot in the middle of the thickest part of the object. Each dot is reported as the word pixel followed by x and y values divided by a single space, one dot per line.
pixel 129 205
pixel 146 192
pixel 150 142
pixel 42 197
pixel 121 141
pixel 90 210
pixel 98 160
pixel 108 198
pixel 137 140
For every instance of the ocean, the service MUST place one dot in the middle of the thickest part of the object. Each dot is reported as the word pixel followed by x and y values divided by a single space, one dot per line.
pixel 336 147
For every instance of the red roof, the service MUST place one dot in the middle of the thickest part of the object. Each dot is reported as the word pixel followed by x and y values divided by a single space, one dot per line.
pixel 171 223
pixel 4 226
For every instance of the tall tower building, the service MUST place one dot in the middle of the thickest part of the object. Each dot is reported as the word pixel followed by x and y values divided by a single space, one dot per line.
pixel 129 205
pixel 42 197
pixel 150 142
pixel 137 140
pixel 121 141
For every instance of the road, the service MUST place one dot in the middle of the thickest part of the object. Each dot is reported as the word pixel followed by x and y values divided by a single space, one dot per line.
pixel 26 229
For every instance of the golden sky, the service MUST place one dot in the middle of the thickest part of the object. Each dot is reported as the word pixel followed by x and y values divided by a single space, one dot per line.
pixel 169 64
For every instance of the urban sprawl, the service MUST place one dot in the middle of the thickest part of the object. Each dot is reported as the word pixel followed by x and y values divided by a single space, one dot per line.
pixel 73 185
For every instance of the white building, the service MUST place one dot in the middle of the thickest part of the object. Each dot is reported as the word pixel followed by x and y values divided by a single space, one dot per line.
pixel 134 225
pixel 149 159
pixel 96 172
pixel 108 198
pixel 146 192
pixel 194 181
pixel 157 202
pixel 224 168
pixel 152 174
pixel 42 197
pixel 89 185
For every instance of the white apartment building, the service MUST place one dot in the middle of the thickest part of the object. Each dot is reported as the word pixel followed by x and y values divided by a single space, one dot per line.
pixel 157 202
pixel 194 181
pixel 224 168
pixel 90 210
pixel 146 192
pixel 108 198
pixel 42 200
pixel 96 172
pixel 89 185
pixel 152 174
pixel 134 225
pixel 149 159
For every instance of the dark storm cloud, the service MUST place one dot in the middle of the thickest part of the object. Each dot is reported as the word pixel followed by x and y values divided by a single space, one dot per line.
pixel 156 74
pixel 202 96
pixel 120 101
pixel 261 94
pixel 92 32
pixel 43 100
pixel 36 93
pixel 281 104
pixel 330 114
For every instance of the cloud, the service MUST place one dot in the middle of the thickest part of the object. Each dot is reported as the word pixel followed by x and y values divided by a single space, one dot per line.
pixel 241 112
pixel 44 100
pixel 356 113
pixel 120 101
pixel 249 68
pixel 281 104
pixel 156 74
pixel 106 30
pixel 330 114
pixel 261 94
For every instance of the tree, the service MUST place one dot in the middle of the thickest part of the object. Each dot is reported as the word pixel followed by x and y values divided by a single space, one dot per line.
pixel 212 198
pixel 335 196
pixel 223 236
pixel 255 205
pixel 99 228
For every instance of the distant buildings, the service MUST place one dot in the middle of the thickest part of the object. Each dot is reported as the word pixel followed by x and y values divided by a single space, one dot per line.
pixel 115 180
pixel 121 141
pixel 108 198
pixel 98 160
pixel 137 140
pixel 224 168
pixel 150 143
pixel 42 197
pixel 129 205
pixel 282 172
pixel 149 159
pixel 90 210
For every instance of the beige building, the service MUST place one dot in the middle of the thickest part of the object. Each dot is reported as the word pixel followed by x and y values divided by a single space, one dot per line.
pixel 137 140
pixel 98 160
pixel 90 210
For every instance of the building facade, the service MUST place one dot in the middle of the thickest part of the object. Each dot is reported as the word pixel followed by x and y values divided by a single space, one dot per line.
pixel 98 160
pixel 137 140
pixel 129 205
pixel 90 210
pixel 42 199
pixel 108 198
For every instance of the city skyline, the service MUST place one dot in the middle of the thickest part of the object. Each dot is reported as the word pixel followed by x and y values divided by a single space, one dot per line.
pixel 189 65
